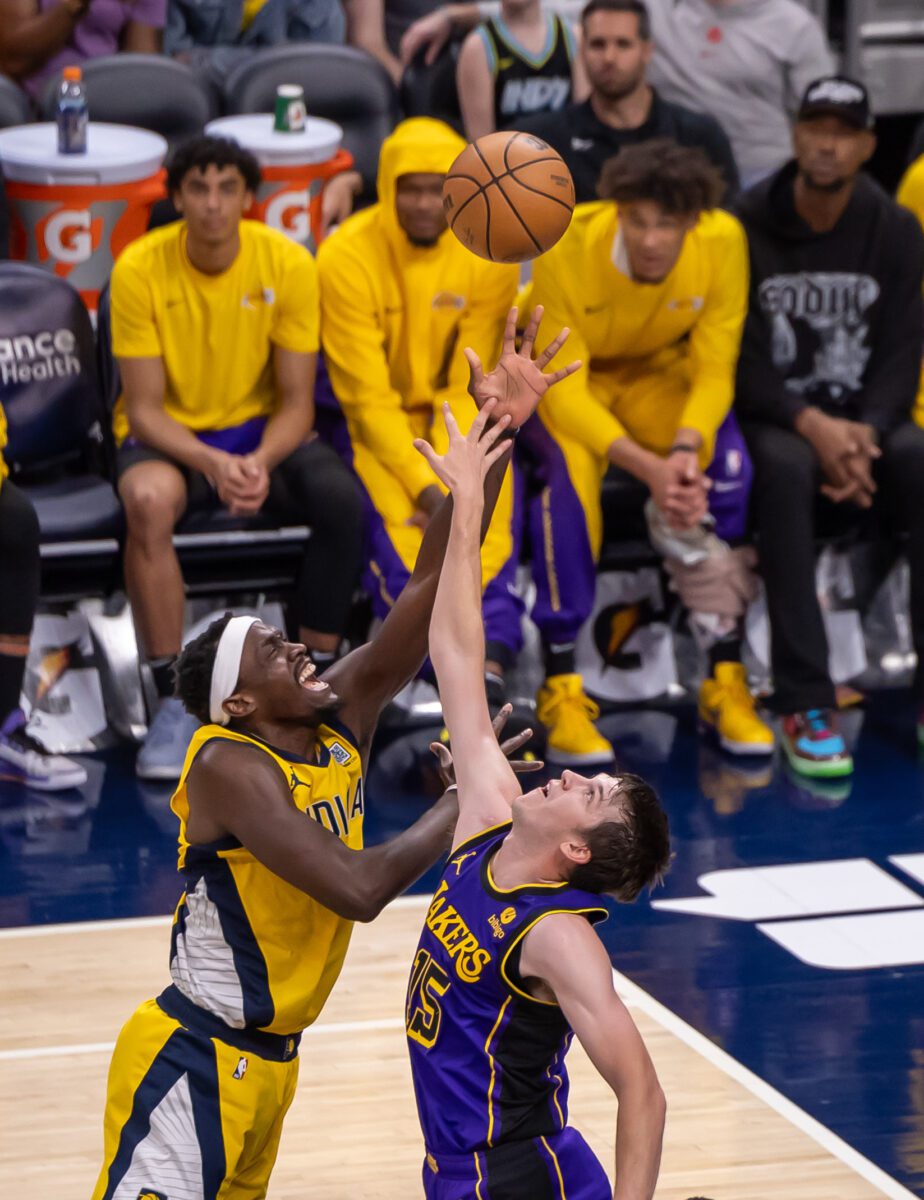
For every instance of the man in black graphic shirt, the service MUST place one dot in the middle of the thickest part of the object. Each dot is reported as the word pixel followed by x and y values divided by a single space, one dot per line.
pixel 827 379
pixel 623 109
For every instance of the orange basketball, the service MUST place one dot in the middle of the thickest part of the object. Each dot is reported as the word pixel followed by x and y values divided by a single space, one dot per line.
pixel 508 197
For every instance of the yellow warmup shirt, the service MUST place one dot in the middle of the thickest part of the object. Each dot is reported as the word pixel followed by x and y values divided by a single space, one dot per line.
pixel 396 317
pixel 624 330
pixel 215 333
pixel 247 946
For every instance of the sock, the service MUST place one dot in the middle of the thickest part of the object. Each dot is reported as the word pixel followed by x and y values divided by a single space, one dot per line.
pixel 727 649
pixel 559 658
pixel 12 671
pixel 162 670
pixel 499 653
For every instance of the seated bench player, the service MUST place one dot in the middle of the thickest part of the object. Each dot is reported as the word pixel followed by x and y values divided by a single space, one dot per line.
pixel 215 328
pixel 652 282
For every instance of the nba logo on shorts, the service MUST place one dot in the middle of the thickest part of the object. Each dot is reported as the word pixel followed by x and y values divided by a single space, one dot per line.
pixel 733 463
pixel 240 1068
pixel 147 1194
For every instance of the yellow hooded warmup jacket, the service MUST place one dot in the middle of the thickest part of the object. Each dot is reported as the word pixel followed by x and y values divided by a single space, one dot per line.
pixel 395 319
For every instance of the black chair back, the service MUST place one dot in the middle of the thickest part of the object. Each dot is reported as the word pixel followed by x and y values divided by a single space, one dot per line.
pixel 145 90
pixel 48 381
pixel 340 83
pixel 15 108
pixel 431 91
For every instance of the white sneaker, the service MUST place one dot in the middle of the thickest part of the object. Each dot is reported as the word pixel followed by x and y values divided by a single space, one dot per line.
pixel 26 760
pixel 164 750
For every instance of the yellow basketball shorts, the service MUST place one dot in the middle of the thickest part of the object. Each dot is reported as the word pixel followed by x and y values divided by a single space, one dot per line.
pixel 189 1116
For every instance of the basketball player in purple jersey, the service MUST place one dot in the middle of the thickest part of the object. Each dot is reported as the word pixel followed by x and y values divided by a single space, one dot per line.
pixel 508 967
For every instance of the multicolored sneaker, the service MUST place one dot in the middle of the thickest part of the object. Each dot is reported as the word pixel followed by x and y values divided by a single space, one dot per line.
pixel 726 707
pixel 26 761
pixel 814 746
pixel 569 717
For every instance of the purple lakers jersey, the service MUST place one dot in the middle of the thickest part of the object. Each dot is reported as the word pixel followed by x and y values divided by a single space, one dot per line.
pixel 487 1058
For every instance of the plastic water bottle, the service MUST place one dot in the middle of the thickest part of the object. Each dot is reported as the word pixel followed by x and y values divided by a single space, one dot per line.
pixel 72 113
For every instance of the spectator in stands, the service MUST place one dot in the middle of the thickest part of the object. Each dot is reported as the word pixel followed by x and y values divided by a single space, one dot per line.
pixel 518 63
pixel 623 109
pixel 829 370
pixel 219 36
pixel 22 758
pixel 215 329
pixel 745 62
pixel 39 38
pixel 652 283
pixel 400 300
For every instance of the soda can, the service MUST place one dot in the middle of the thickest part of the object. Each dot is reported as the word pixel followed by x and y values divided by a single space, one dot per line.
pixel 290 109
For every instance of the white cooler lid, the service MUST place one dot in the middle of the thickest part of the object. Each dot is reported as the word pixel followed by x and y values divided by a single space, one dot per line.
pixel 115 154
pixel 318 142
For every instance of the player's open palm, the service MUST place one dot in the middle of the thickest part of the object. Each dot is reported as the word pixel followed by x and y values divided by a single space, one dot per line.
pixel 518 382
pixel 470 456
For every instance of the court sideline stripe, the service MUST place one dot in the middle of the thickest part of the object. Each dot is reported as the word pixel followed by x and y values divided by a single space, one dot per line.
pixel 635 997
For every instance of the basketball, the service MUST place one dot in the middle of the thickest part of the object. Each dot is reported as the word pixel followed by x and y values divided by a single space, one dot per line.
pixel 508 197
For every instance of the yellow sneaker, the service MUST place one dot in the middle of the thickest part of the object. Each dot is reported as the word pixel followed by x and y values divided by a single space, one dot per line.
pixel 569 716
pixel 726 706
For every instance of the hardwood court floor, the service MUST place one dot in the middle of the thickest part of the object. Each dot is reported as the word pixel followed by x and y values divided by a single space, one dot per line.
pixel 352 1132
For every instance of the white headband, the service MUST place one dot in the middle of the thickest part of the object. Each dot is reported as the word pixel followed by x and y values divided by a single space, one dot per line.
pixel 227 666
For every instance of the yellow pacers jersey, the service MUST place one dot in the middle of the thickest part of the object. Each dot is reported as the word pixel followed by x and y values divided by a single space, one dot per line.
pixel 246 945
pixel 215 333
pixel 620 327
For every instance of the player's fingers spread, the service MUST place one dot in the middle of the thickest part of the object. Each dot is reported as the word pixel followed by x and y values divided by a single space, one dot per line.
pixel 452 427
pixel 523 766
pixel 514 743
pixel 480 421
pixel 474 363
pixel 553 347
pixel 500 719
pixel 529 333
pixel 510 331
pixel 424 448
pixel 496 432
pixel 563 372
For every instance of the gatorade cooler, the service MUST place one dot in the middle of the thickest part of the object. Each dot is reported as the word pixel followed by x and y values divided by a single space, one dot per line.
pixel 74 213
pixel 295 168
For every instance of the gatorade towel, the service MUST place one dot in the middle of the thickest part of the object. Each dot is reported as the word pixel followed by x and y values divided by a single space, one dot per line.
pixel 289 198
pixel 78 231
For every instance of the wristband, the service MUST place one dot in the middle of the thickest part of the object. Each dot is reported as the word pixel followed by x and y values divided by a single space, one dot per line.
pixel 682 448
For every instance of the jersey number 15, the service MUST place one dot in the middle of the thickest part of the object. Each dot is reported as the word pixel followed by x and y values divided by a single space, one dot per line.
pixel 423 1013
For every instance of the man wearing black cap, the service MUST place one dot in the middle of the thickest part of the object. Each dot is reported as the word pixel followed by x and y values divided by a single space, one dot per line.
pixel 828 374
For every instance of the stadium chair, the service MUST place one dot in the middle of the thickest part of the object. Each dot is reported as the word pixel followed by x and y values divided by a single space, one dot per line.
pixel 342 84
pixel 15 108
pixel 219 554
pixel 431 91
pixel 146 90
pixel 58 440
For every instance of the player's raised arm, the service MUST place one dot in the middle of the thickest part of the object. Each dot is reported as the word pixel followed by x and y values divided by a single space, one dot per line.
pixel 565 954
pixel 369 677
pixel 485 781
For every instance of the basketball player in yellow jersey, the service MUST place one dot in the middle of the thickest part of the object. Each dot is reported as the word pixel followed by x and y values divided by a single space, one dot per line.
pixel 201 1077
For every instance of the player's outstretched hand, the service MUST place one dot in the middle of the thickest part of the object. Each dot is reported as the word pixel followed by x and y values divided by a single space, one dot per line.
pixel 517 383
pixel 519 766
pixel 469 458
